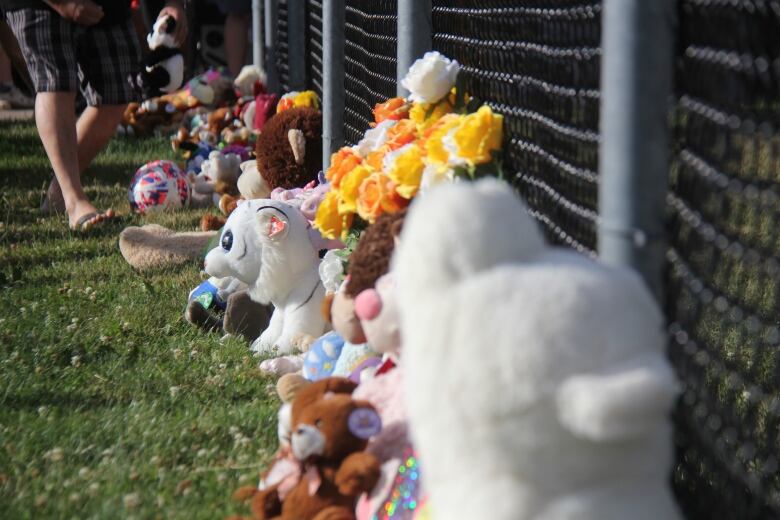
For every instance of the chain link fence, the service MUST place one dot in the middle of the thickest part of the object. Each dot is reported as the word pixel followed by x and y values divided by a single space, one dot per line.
pixel 369 61
pixel 723 295
pixel 282 46
pixel 314 46
pixel 538 66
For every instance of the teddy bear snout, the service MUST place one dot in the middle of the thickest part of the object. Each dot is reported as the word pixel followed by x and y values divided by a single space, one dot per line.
pixel 307 441
pixel 368 304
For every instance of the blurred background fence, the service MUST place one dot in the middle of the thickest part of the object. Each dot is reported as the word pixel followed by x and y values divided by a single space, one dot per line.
pixel 539 64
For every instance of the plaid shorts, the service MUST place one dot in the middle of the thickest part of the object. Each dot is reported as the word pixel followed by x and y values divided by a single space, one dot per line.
pixel 63 56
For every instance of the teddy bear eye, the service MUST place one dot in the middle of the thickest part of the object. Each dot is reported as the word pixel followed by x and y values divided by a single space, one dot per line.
pixel 227 240
pixel 318 423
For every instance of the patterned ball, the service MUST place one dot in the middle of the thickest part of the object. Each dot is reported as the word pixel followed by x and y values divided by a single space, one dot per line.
pixel 159 185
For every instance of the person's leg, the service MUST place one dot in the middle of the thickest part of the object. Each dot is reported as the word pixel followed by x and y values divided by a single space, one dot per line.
pixel 236 31
pixel 5 69
pixel 106 55
pixel 56 122
pixel 94 129
pixel 5 78
pixel 10 95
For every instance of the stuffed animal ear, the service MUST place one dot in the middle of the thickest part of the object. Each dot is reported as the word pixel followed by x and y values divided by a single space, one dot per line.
pixel 315 391
pixel 298 144
pixel 364 422
pixel 273 223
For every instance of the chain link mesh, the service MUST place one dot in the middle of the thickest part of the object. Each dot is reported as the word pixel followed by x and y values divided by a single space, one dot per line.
pixel 369 61
pixel 314 46
pixel 282 47
pixel 538 65
pixel 723 295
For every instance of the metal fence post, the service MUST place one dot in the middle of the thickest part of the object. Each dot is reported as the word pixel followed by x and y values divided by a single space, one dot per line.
pixel 296 43
pixel 414 35
pixel 270 44
pixel 332 78
pixel 258 59
pixel 636 87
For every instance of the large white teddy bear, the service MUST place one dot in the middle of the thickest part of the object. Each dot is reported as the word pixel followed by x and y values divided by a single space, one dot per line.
pixel 267 245
pixel 536 381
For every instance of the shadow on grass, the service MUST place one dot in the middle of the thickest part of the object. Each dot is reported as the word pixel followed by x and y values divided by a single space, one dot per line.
pixel 70 400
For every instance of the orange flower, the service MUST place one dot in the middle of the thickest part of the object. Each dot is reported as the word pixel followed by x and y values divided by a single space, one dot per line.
pixel 394 109
pixel 376 158
pixel 341 163
pixel 285 103
pixel 402 133
pixel 377 195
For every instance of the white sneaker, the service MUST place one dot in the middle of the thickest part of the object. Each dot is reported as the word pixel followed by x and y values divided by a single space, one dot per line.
pixel 16 98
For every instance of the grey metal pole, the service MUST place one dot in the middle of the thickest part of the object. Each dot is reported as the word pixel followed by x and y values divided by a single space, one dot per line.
pixel 258 59
pixel 636 88
pixel 332 78
pixel 296 43
pixel 414 35
pixel 270 44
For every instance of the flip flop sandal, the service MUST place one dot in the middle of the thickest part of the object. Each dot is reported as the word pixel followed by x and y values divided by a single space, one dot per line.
pixel 81 223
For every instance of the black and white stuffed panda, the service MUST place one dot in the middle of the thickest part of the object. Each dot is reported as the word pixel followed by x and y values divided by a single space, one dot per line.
pixel 162 71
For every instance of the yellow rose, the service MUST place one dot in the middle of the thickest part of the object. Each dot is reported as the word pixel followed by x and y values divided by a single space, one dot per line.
pixel 350 185
pixel 307 98
pixel 377 195
pixel 328 220
pixel 405 167
pixel 434 112
pixel 477 135
pixel 435 151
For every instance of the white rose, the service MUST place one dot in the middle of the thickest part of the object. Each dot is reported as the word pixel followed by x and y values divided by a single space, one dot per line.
pixel 331 271
pixel 374 138
pixel 430 78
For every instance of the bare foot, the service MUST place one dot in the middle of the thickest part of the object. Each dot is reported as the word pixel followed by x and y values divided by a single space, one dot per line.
pixel 53 201
pixel 85 216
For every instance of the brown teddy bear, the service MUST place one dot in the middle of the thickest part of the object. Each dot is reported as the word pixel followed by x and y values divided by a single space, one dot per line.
pixel 329 431
pixel 289 149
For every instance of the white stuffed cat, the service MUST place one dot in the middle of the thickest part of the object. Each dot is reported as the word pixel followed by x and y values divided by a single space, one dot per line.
pixel 536 378
pixel 266 244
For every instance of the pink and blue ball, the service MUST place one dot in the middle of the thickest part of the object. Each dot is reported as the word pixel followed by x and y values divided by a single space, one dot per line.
pixel 159 185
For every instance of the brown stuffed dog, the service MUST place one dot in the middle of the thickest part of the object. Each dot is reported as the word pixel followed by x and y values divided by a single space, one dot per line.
pixel 289 149
pixel 330 430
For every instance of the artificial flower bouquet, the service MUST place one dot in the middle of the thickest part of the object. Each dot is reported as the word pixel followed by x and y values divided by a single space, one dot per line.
pixel 435 135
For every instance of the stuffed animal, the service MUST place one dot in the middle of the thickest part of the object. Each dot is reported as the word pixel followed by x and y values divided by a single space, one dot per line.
pixel 256 113
pixel 162 69
pixel 329 431
pixel 218 174
pixel 212 88
pixel 153 246
pixel 289 150
pixel 248 79
pixel 378 313
pixel 266 244
pixel 223 305
pixel 558 389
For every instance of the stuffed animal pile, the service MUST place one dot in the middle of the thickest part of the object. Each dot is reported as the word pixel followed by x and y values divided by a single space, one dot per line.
pixel 436 358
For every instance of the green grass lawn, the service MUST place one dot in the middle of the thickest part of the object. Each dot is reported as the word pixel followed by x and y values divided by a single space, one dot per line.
pixel 111 405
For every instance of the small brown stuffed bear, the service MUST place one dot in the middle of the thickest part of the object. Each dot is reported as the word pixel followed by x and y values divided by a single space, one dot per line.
pixel 330 430
pixel 289 149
